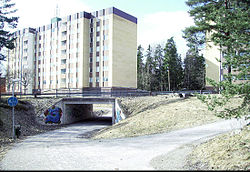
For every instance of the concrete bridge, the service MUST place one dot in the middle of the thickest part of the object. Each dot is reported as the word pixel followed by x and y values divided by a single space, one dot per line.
pixel 76 109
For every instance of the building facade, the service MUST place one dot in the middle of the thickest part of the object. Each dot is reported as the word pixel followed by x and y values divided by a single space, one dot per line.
pixel 214 58
pixel 83 50
pixel 212 55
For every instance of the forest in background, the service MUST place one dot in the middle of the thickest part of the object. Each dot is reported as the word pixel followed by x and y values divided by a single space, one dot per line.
pixel 161 68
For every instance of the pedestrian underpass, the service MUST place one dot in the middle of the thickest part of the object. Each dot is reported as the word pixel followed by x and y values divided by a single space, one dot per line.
pixel 78 109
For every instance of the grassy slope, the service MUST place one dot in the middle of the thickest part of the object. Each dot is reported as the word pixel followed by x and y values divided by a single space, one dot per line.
pixel 226 152
pixel 149 115
pixel 157 114
pixel 25 115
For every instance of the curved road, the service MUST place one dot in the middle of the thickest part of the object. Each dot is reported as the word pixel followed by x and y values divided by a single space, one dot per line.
pixel 64 149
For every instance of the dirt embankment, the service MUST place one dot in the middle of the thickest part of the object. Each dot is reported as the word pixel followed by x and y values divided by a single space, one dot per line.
pixel 150 115
pixel 157 114
pixel 230 151
pixel 27 114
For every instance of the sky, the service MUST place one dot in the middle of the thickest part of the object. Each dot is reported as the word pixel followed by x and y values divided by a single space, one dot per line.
pixel 158 20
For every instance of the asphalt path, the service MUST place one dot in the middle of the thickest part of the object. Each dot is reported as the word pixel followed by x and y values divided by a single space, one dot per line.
pixel 66 149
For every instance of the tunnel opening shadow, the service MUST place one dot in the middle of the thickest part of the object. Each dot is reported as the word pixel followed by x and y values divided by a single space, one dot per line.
pixel 106 121
pixel 103 120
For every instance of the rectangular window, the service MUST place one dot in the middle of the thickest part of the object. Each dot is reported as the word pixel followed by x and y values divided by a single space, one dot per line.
pixel 98 49
pixel 106 27
pixel 98 29
pixel 63 61
pixel 63 71
pixel 90 70
pixel 97 38
pixel 63 43
pixel 69 18
pixel 63 80
pixel 91 50
pixel 105 68
pixel 105 79
pixel 105 58
pixel 64 33
pixel 97 23
pixel 105 37
pixel 105 47
pixel 97 79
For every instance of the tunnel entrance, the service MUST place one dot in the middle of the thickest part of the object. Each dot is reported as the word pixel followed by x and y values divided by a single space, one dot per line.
pixel 79 109
pixel 101 115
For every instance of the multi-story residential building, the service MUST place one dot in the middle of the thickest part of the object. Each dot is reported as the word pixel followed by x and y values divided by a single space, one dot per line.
pixel 212 56
pixel 214 69
pixel 83 50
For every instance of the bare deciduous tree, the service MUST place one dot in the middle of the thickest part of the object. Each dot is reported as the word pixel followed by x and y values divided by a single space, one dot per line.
pixel 27 78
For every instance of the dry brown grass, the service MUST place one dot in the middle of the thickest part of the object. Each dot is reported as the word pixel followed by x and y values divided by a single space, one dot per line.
pixel 157 114
pixel 150 115
pixel 226 152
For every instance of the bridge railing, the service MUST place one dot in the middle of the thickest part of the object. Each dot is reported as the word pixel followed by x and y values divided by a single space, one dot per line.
pixel 114 93
pixel 185 92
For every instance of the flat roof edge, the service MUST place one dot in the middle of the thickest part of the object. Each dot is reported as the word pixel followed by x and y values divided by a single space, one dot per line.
pixel 124 15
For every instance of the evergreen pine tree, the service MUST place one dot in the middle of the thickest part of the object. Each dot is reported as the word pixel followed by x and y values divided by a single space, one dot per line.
pixel 173 65
pixel 149 69
pixel 194 71
pixel 8 22
pixel 158 68
pixel 226 24
pixel 140 68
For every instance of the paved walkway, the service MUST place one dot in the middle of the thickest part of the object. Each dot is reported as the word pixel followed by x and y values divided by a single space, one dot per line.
pixel 63 149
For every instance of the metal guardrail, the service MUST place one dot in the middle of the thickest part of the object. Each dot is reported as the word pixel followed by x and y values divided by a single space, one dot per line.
pixel 184 92
pixel 125 93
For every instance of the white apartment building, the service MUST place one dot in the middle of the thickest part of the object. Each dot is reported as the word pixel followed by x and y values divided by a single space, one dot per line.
pixel 83 50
